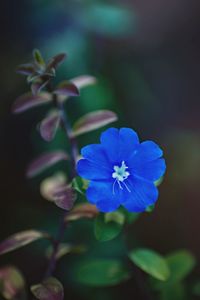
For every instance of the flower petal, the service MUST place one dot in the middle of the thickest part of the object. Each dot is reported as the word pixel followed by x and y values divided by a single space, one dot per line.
pixel 143 193
pixel 119 144
pixel 129 141
pixel 92 171
pixel 151 170
pixel 110 142
pixel 95 153
pixel 146 151
pixel 101 194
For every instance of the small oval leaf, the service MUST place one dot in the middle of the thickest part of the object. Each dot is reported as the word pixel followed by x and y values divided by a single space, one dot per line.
pixel 20 239
pixel 56 60
pixel 56 190
pixel 26 69
pixel 150 262
pixel 28 101
pixel 12 284
pixel 64 197
pixel 83 81
pixel 66 88
pixel 106 230
pixel 102 272
pixel 83 210
pixel 50 184
pixel 49 126
pixel 45 161
pixel 93 120
pixel 80 184
pixel 49 289
pixel 181 264
pixel 38 58
pixel 65 249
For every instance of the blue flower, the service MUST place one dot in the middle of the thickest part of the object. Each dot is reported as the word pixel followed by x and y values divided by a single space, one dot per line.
pixel 122 171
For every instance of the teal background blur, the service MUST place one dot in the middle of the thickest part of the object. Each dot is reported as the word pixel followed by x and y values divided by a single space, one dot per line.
pixel 146 56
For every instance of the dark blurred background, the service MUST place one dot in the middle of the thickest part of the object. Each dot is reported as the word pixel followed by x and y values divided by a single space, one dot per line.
pixel 146 56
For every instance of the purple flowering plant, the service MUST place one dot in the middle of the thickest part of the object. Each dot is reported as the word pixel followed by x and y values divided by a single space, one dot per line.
pixel 110 184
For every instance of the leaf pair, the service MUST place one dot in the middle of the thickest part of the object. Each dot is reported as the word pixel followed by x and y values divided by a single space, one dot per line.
pixel 167 270
pixel 63 91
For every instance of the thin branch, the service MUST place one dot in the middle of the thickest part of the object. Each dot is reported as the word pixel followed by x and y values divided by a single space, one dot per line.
pixel 74 153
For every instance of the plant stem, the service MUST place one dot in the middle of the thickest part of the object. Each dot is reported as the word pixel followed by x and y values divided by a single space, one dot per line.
pixel 74 153
pixel 56 243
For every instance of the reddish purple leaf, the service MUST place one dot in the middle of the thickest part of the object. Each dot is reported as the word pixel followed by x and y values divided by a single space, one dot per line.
pixel 66 88
pixel 64 197
pixel 65 248
pixel 83 210
pixel 55 61
pixel 28 101
pixel 26 69
pixel 12 285
pixel 44 161
pixel 49 289
pixel 49 126
pixel 50 184
pixel 93 120
pixel 20 239
pixel 55 189
pixel 83 81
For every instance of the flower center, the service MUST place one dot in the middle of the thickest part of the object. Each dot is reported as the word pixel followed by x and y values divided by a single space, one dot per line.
pixel 120 175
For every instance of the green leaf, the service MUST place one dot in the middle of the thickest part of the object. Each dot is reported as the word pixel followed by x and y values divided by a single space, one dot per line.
pixel 49 289
pixel 92 121
pixel 150 208
pixel 102 272
pixel 38 58
pixel 115 216
pixel 12 285
pixel 21 239
pixel 181 263
pixel 159 181
pixel 107 229
pixel 80 184
pixel 150 262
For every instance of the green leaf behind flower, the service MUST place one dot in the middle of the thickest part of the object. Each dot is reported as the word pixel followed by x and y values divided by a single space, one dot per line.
pixel 150 262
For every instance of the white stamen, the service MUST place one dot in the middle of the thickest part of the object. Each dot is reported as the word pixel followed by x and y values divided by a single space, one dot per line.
pixel 120 175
